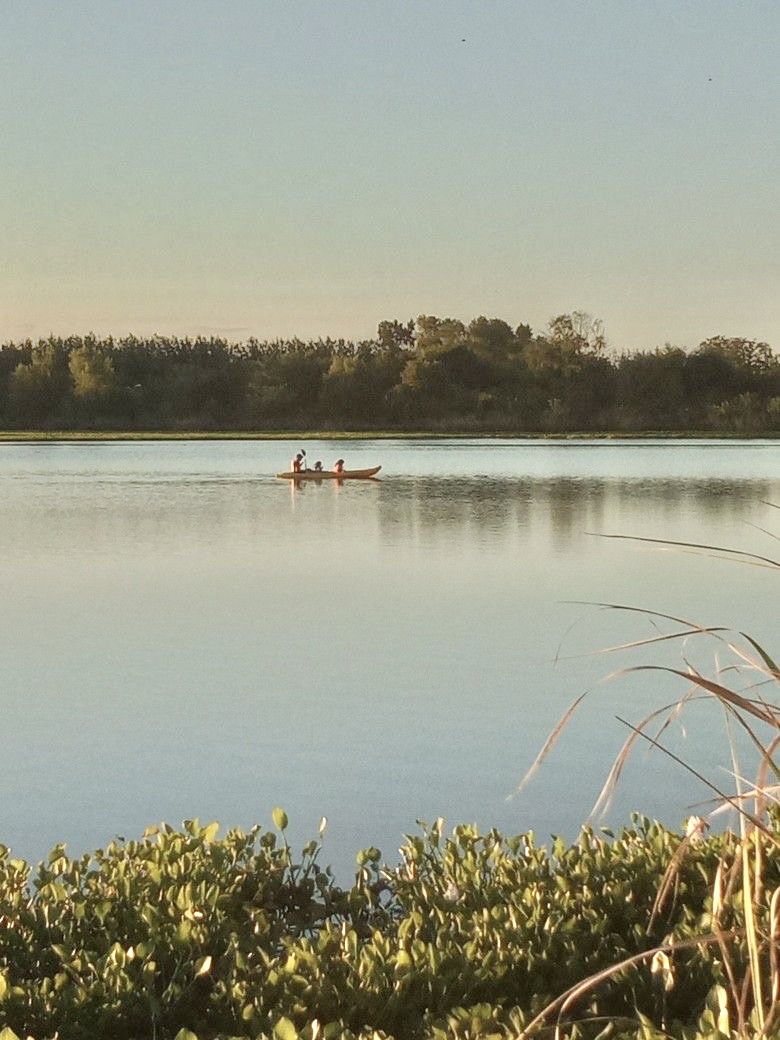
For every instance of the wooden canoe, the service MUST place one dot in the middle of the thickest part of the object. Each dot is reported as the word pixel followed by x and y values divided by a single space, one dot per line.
pixel 328 474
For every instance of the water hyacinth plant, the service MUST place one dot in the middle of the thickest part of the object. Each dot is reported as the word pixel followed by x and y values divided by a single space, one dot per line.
pixel 470 935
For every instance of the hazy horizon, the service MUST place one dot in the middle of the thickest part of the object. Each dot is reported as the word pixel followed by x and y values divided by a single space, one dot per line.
pixel 298 169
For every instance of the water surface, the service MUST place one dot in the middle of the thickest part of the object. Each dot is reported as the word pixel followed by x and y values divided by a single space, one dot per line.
pixel 185 635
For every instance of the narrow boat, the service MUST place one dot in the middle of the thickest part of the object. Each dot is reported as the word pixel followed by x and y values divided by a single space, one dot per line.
pixel 327 474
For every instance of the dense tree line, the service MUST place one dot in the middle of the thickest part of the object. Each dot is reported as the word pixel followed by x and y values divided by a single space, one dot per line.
pixel 432 373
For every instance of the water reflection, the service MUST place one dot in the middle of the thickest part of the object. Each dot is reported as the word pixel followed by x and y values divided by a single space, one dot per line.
pixel 571 507
pixel 183 634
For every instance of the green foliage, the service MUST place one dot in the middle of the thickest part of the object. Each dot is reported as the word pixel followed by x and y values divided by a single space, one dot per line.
pixel 651 388
pixel 744 353
pixel 434 373
pixel 187 934
pixel 37 389
pixel 92 371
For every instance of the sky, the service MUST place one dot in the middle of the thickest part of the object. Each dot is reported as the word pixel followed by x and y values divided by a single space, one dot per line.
pixel 312 167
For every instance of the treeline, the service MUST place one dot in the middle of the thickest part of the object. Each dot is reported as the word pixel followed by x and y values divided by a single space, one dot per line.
pixel 434 373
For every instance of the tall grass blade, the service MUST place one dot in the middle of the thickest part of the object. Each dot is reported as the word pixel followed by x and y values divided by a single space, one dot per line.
pixel 565 1000
pixel 717 550
pixel 667 881
pixel 768 661
pixel 758 824
pixel 636 610
pixel 767 713
pixel 767 763
pixel 763 530
pixel 774 944
pixel 549 744
pixel 604 800
pixel 751 931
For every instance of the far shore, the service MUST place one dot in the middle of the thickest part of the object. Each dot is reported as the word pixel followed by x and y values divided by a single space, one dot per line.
pixel 33 436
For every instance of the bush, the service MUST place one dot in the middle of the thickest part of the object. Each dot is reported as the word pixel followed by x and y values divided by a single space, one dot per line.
pixel 471 935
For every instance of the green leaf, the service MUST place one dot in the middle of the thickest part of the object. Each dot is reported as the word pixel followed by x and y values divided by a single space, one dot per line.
pixel 9 1034
pixel 280 821
pixel 284 1028
pixel 183 1034
pixel 3 986
pixel 183 933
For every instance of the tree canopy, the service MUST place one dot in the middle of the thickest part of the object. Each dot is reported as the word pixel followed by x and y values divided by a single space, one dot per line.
pixel 430 373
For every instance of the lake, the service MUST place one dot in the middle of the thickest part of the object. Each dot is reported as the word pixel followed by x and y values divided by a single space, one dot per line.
pixel 185 635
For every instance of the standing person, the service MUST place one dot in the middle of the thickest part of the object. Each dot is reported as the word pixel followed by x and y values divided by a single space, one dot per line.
pixel 338 466
pixel 297 463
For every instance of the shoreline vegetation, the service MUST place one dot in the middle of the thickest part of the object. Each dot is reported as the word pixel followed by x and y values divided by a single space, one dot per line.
pixel 185 935
pixel 21 436
pixel 429 376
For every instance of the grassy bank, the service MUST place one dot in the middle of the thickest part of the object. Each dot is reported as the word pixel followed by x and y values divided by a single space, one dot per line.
pixel 348 435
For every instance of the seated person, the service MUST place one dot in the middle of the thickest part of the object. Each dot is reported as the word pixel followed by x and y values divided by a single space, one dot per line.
pixel 338 466
pixel 318 467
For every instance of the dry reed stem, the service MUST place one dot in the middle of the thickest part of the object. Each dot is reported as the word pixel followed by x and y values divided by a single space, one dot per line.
pixel 769 665
pixel 713 550
pixel 563 1002
pixel 759 710
pixel 691 628
pixel 549 744
pixel 751 929
pixel 774 944
pixel 768 661
pixel 750 863
pixel 718 903
pixel 604 798
pixel 774 981
pixel 768 762
pixel 758 887
pixel 735 716
pixel 668 880
pixel 721 794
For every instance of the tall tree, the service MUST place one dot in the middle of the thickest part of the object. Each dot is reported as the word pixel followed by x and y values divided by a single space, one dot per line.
pixel 435 335
pixel 746 353
pixel 92 371
pixel 38 390
pixel 392 334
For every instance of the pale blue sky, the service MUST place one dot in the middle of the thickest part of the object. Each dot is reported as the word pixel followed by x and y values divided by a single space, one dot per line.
pixel 307 167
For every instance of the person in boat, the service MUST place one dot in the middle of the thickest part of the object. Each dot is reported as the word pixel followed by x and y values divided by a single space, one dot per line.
pixel 318 467
pixel 338 466
pixel 297 464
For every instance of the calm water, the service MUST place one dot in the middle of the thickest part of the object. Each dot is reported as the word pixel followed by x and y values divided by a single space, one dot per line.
pixel 185 635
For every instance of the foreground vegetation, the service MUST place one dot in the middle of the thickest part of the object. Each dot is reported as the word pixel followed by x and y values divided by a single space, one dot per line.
pixel 472 935
pixel 433 375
